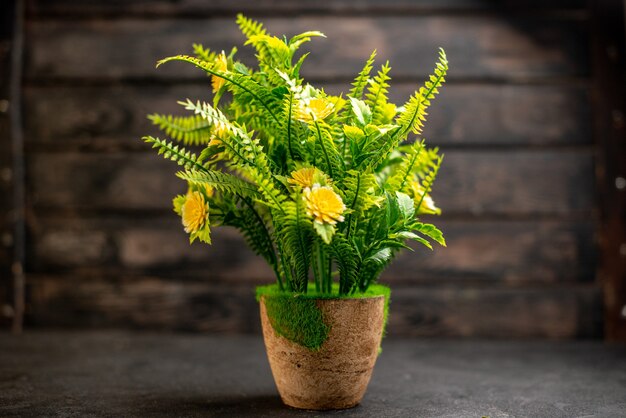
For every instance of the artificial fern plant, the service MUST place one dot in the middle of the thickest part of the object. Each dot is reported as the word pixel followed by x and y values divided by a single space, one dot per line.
pixel 317 184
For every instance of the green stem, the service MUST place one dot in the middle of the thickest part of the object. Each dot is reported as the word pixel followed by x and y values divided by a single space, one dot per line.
pixel 289 126
pixel 274 259
pixel 329 275
pixel 316 271
pixel 320 267
pixel 353 205
pixel 279 279
pixel 409 169
pixel 284 267
pixel 319 135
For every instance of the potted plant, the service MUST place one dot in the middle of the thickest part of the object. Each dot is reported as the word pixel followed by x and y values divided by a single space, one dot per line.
pixel 325 188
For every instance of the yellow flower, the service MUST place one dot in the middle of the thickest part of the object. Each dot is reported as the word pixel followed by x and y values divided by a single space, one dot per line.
pixel 308 110
pixel 195 212
pixel 306 177
pixel 428 204
pixel 218 133
pixel 323 204
pixel 209 191
pixel 221 64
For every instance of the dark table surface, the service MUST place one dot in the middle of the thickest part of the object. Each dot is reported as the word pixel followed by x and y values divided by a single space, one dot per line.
pixel 121 374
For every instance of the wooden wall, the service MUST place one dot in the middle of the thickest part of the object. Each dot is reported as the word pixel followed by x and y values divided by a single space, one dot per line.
pixel 514 121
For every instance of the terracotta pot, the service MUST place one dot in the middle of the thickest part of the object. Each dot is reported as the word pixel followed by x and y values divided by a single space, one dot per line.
pixel 335 376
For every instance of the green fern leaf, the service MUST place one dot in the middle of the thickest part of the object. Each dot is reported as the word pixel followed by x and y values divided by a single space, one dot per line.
pixel 376 148
pixel 400 181
pixel 360 196
pixel 330 161
pixel 295 229
pixel 431 231
pixel 295 42
pixel 205 54
pixel 345 117
pixel 190 130
pixel 414 115
pixel 373 265
pixel 243 150
pixel 427 184
pixel 213 116
pixel 223 182
pixel 250 27
pixel 361 80
pixel 348 261
pixel 175 153
pixel 273 52
pixel 360 190
pixel 255 231
pixel 377 96
pixel 241 82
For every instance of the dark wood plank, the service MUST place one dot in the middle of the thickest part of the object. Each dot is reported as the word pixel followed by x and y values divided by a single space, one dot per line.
pixel 478 46
pixel 522 182
pixel 559 312
pixel 200 7
pixel 146 302
pixel 151 246
pixel 609 93
pixel 512 252
pixel 7 13
pixel 113 118
pixel 142 302
pixel 129 181
pixel 12 254
pixel 474 182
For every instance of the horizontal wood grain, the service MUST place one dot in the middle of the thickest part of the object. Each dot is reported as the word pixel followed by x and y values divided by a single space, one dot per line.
pixel 113 118
pixel 152 303
pixel 567 312
pixel 610 101
pixel 195 7
pixel 477 46
pixel 142 303
pixel 511 252
pixel 155 246
pixel 474 182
